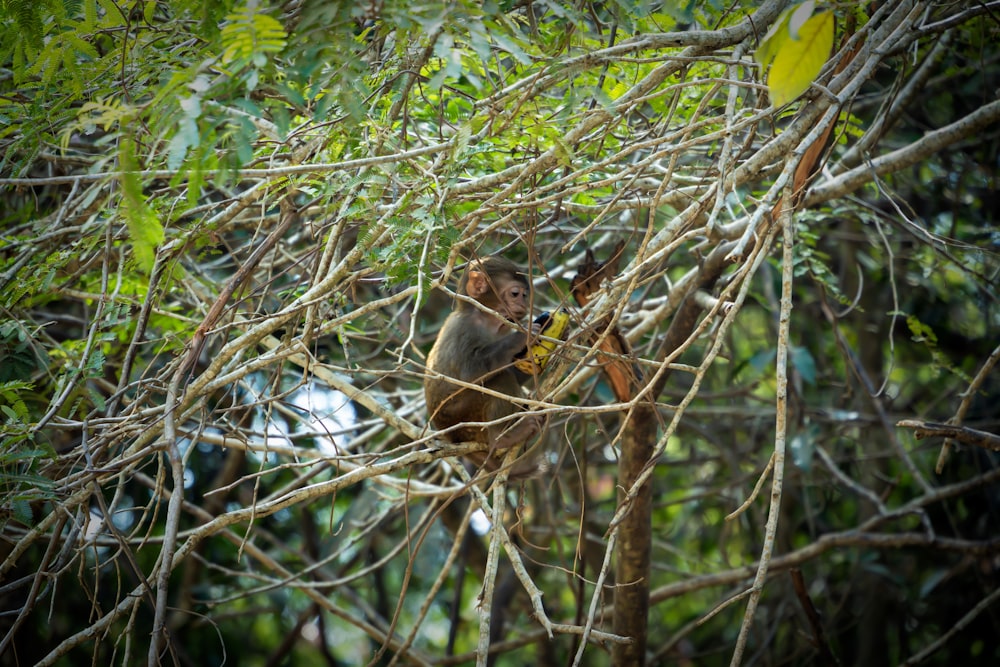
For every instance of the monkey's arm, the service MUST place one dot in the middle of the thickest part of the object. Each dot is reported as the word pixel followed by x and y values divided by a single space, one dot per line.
pixel 498 354
pixel 468 351
pixel 532 360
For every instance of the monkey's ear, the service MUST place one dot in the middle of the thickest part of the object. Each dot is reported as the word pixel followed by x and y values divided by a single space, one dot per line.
pixel 477 284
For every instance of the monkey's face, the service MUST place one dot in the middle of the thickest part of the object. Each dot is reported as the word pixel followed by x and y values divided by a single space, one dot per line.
pixel 514 300
pixel 500 288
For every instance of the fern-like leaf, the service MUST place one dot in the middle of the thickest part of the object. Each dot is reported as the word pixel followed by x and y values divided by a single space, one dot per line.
pixel 28 18
pixel 144 227
pixel 250 35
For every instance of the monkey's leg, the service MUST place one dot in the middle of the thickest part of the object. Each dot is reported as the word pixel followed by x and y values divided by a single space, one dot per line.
pixel 520 434
pixel 521 431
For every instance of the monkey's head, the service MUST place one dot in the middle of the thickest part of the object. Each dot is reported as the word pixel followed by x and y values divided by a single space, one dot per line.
pixel 499 284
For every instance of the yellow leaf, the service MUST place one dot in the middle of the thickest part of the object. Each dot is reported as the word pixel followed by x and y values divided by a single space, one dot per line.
pixel 800 58
pixel 798 18
pixel 780 31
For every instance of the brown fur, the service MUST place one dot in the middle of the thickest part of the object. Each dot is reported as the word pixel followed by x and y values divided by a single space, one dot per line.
pixel 479 348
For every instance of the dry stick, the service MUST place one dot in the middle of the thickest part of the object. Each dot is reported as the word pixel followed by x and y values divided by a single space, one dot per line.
pixel 172 521
pixel 377 634
pixel 819 636
pixel 58 402
pixel 173 402
pixel 241 275
pixel 726 154
pixel 933 142
pixel 666 649
pixel 859 489
pixel 736 597
pixel 153 292
pixel 500 536
pixel 493 560
pixel 78 498
pixel 955 629
pixel 313 169
pixel 780 425
pixel 40 574
pixel 963 407
pixel 756 491
pixel 857 537
pixel 337 381
pixel 793 192
pixel 429 599
pixel 210 525
pixel 655 385
pixel 534 593
pixel 412 546
pixel 210 380
pixel 333 243
pixel 85 358
pixel 517 174
pixel 855 365
pixel 896 106
pixel 971 436
pixel 611 548
pixel 744 287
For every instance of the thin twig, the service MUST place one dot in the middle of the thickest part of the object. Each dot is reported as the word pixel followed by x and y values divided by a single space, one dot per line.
pixel 780 427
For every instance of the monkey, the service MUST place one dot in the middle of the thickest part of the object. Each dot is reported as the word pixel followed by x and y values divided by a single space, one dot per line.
pixel 480 347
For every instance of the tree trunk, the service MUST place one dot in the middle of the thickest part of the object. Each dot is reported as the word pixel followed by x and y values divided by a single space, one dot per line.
pixel 632 566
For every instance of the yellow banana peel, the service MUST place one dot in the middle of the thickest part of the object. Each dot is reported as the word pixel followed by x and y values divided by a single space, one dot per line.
pixel 552 326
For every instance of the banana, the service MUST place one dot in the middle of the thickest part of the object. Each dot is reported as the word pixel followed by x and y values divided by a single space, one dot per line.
pixel 551 325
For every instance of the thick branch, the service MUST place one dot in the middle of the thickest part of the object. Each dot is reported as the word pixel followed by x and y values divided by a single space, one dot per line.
pixel 923 148
pixel 969 436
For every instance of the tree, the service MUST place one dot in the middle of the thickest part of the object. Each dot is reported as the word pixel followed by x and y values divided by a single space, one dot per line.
pixel 231 231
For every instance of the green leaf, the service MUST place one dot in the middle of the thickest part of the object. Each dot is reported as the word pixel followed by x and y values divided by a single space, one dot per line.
pixel 187 131
pixel 9 391
pixel 931 581
pixel 250 36
pixel 922 333
pixel 762 359
pixel 21 510
pixel 28 17
pixel 144 227
pixel 804 363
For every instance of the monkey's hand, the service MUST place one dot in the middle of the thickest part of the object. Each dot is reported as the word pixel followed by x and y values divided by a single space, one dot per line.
pixel 549 326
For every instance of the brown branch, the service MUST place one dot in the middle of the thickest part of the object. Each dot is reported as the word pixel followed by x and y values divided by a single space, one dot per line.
pixel 963 407
pixel 623 376
pixel 289 215
pixel 970 436
pixel 850 538
pixel 826 656
pixel 931 143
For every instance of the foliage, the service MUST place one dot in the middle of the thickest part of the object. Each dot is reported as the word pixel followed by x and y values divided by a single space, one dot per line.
pixel 796 47
pixel 20 459
pixel 231 230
